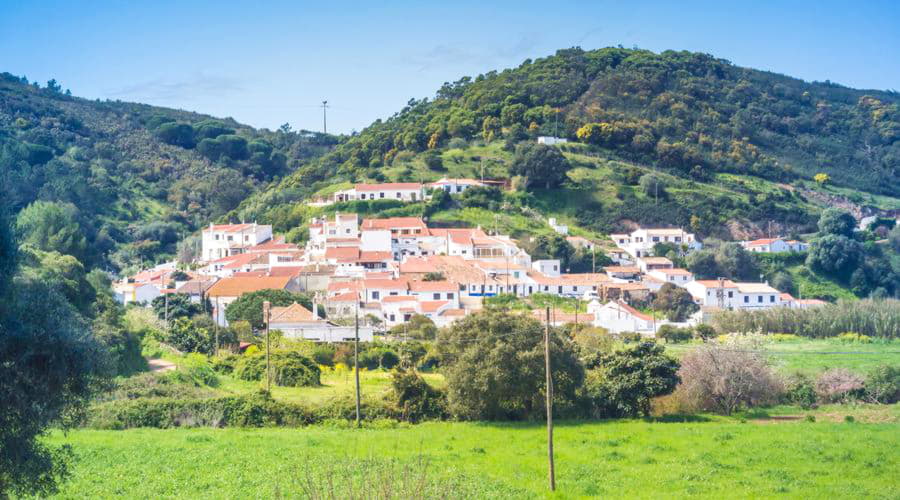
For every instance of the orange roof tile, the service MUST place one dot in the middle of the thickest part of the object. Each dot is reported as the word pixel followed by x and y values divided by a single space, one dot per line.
pixel 291 314
pixel 235 287
pixel 430 306
pixel 433 286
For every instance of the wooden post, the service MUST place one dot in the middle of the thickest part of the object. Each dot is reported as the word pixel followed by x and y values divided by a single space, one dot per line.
pixel 356 360
pixel 216 322
pixel 266 308
pixel 548 393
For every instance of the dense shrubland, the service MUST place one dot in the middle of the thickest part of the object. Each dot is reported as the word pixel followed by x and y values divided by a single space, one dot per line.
pixel 874 318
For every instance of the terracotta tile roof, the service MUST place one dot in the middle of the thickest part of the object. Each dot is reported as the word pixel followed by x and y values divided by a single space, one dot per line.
pixel 622 269
pixel 398 298
pixel 387 186
pixel 715 283
pixel 343 297
pixel 755 288
pixel 244 259
pixel 395 223
pixel 235 287
pixel 674 271
pixel 197 286
pixel 433 286
pixel 337 286
pixel 228 228
pixel 453 312
pixel 383 284
pixel 293 313
pixel 762 242
pixel 634 287
pixel 666 231
pixel 634 312
pixel 430 306
pixel 342 254
pixel 374 256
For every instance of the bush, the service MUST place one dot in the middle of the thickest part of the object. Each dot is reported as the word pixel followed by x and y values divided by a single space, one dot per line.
pixel 839 385
pixel 704 332
pixel 784 337
pixel 622 383
pixel 289 368
pixel 883 384
pixel 854 338
pixel 725 380
pixel 225 364
pixel 163 413
pixel 800 391
pixel 673 334
pixel 414 399
pixel 154 385
pixel 195 369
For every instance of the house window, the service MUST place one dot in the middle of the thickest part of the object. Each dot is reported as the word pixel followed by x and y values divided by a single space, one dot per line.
pixel 450 296
pixel 230 238
pixel 376 295
pixel 759 299
pixel 392 317
pixel 217 236
pixel 746 299
pixel 559 289
pixel 656 238
pixel 437 296
pixel 381 195
pixel 393 293
pixel 771 298
pixel 398 195
pixel 730 295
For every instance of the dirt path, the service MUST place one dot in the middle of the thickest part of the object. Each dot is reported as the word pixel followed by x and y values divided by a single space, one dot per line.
pixel 161 365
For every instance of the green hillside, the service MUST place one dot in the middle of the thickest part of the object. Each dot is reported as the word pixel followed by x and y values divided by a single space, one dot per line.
pixel 140 177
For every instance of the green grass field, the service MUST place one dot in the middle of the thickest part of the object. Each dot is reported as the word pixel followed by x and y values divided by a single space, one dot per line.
pixel 814 356
pixel 721 458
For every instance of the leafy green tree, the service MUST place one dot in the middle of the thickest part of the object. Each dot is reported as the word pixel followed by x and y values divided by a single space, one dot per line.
pixel 675 301
pixel 835 254
pixel 494 364
pixel 179 306
pixel 735 262
pixel 50 366
pixel 653 186
pixel 63 272
pixel 673 335
pixel 703 264
pixel 540 165
pixel 249 306
pixel 783 281
pixel 837 221
pixel 622 383
pixel 894 238
pixel 481 197
pixel 52 227
pixel 418 327
pixel 554 246
pixel 176 134
pixel 704 332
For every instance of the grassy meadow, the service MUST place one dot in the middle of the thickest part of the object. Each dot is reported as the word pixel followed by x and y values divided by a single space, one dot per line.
pixel 704 457
pixel 811 357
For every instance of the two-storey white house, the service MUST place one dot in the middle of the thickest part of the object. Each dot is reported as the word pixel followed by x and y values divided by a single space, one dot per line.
pixel 639 243
pixel 224 240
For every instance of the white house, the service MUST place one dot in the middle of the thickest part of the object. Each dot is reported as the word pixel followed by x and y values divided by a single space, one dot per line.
pixel 641 241
pixel 766 245
pixel 230 239
pixel 647 264
pixel 547 267
pixel 714 293
pixel 227 290
pixel 618 317
pixel 456 186
pixel 298 322
pixel 675 276
pixel 757 296
pixel 403 191
pixel 548 140
pixel 556 226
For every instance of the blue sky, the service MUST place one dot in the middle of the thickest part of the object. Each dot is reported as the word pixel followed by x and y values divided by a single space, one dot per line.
pixel 267 63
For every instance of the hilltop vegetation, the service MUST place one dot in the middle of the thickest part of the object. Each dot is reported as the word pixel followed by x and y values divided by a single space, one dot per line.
pixel 732 149
pixel 133 178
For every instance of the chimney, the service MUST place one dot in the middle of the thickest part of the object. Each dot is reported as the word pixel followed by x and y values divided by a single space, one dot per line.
pixel 315 310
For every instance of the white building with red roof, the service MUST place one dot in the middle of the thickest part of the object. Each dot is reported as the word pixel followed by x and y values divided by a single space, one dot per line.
pixel 676 276
pixel 225 240
pixel 618 317
pixel 766 245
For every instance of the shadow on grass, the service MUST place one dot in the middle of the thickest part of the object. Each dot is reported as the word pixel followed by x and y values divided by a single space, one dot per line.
pixel 664 419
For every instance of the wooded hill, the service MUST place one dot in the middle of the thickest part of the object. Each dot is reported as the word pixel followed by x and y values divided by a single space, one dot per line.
pixel 134 178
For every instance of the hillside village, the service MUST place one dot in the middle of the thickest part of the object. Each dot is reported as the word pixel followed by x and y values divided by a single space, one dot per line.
pixel 388 270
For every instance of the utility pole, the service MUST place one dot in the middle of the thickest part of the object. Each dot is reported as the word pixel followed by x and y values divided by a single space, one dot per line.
pixel 167 313
pixel 548 393
pixel 593 258
pixel 482 170
pixel 266 307
pixel 356 359
pixel 216 322
pixel 324 117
